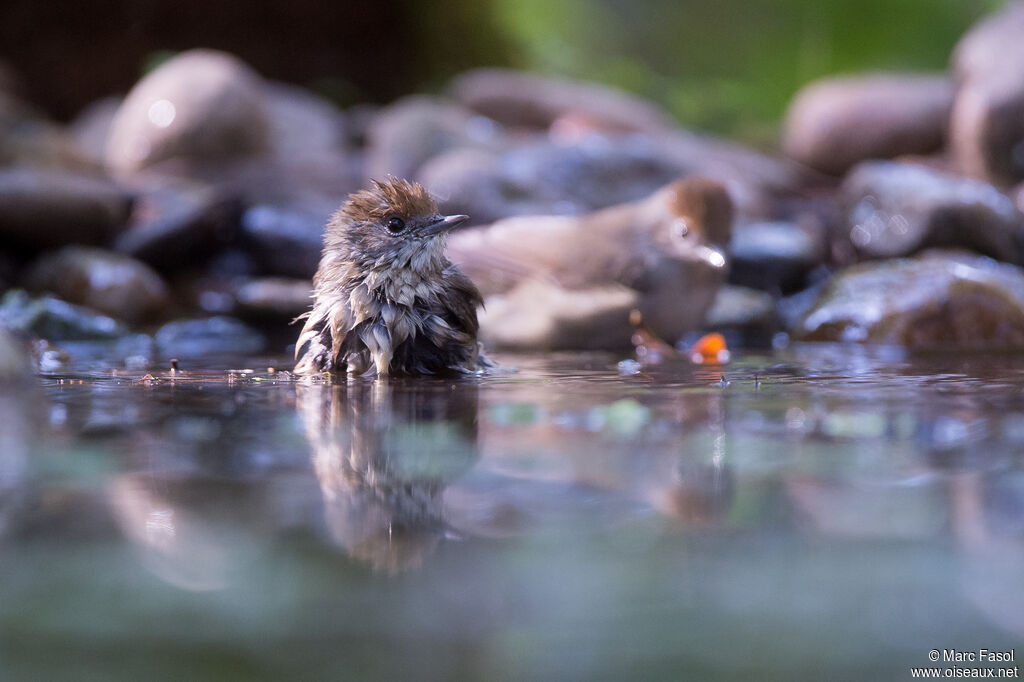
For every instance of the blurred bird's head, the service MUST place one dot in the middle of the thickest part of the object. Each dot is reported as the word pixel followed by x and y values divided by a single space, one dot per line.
pixel 702 215
pixel 394 224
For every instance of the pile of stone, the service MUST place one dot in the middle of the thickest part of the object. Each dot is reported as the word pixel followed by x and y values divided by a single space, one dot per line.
pixel 202 195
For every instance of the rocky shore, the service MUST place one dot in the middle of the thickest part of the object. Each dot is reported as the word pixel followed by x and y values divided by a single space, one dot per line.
pixel 189 212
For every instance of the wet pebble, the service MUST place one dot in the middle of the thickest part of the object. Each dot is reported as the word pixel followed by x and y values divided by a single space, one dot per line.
pixel 275 298
pixel 539 177
pixel 835 123
pixel 50 318
pixel 176 226
pixel 939 300
pixel 774 256
pixel 199 337
pixel 108 282
pixel 285 240
pixel 897 209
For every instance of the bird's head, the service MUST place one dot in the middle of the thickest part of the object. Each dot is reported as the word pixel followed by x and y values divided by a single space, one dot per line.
pixel 702 215
pixel 393 222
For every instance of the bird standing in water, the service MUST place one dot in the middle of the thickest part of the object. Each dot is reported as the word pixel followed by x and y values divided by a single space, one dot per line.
pixel 570 282
pixel 386 300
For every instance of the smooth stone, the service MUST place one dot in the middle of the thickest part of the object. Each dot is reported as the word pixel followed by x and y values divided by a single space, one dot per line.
pixel 833 124
pixel 992 45
pixel 198 337
pixel 895 209
pixel 200 104
pixel 175 226
pixel 939 300
pixel 47 208
pixel 274 297
pixel 405 134
pixel 519 99
pixel 50 318
pixel 773 256
pixel 987 125
pixel 539 177
pixel 111 283
pixel 538 316
pixel 285 240
pixel 302 123
pixel 91 128
pixel 741 308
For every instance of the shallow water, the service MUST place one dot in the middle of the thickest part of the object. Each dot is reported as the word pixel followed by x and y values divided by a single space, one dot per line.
pixel 819 513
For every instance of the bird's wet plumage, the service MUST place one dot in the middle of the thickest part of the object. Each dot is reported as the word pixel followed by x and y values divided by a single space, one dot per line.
pixel 386 300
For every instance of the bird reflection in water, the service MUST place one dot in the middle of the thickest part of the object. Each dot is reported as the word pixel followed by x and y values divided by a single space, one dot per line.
pixel 383 453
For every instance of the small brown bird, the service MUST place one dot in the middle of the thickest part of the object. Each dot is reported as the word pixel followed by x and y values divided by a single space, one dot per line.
pixel 570 282
pixel 386 300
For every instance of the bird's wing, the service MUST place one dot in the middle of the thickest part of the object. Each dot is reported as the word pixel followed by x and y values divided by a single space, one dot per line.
pixel 499 256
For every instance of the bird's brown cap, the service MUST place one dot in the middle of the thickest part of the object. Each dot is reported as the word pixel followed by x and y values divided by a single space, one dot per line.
pixel 392 197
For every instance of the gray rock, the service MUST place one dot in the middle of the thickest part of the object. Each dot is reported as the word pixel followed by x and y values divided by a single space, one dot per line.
pixel 404 135
pixel 525 100
pixel 539 177
pixel 50 318
pixel 199 337
pixel 895 209
pixel 176 226
pixel 201 104
pixel 301 123
pixel 746 315
pixel 835 123
pixel 46 208
pixel 987 125
pixel 939 300
pixel 285 240
pixel 108 282
pixel 738 307
pixel 774 256
pixel 274 297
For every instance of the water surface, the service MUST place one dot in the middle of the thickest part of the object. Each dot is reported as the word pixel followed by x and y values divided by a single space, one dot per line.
pixel 819 513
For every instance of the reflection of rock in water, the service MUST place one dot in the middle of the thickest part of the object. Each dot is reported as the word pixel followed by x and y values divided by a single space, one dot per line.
pixel 699 494
pixel 20 418
pixel 383 453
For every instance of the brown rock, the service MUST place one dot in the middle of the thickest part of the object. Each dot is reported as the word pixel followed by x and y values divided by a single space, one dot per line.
pixel 835 123
pixel 940 300
pixel 108 282
pixel 47 208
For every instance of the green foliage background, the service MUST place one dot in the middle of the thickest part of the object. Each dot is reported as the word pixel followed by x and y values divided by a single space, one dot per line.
pixel 728 66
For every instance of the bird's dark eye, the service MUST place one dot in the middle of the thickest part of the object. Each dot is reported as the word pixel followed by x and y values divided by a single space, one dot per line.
pixel 395 225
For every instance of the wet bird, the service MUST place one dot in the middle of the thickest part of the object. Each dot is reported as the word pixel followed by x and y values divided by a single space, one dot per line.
pixel 567 282
pixel 386 300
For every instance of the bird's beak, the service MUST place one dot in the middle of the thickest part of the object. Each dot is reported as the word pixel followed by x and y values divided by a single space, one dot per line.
pixel 445 224
pixel 709 256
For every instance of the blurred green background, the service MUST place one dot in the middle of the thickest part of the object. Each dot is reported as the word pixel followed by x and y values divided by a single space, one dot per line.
pixel 731 66
pixel 728 66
